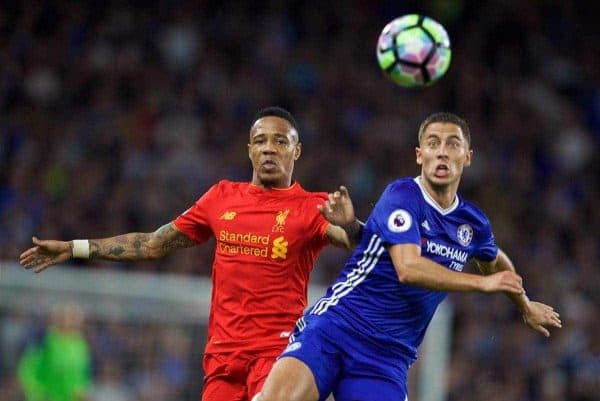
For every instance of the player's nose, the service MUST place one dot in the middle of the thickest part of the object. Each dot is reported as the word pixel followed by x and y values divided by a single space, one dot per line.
pixel 442 152
pixel 269 147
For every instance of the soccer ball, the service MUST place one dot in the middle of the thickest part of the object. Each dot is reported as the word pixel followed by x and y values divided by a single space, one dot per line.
pixel 414 50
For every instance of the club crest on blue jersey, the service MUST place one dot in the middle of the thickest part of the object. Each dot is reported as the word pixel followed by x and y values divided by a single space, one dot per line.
pixel 399 221
pixel 464 234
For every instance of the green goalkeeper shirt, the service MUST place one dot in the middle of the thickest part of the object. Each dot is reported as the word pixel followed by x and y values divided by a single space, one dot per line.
pixel 59 369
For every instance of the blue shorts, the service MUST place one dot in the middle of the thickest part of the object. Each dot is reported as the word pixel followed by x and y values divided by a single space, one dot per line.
pixel 347 364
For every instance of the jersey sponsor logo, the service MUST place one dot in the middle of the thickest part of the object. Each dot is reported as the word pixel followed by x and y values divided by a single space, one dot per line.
pixel 464 233
pixel 252 244
pixel 237 249
pixel 233 243
pixel 280 248
pixel 399 221
pixel 243 238
pixel 228 216
pixel 446 251
pixel 280 221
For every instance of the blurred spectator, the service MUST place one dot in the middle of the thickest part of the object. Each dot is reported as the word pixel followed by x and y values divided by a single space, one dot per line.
pixel 58 369
pixel 108 384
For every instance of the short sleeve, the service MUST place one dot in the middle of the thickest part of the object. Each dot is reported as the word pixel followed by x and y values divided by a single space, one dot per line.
pixel 195 222
pixel 317 225
pixel 396 215
pixel 487 250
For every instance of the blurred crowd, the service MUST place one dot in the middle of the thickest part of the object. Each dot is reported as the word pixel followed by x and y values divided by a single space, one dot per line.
pixel 120 361
pixel 117 116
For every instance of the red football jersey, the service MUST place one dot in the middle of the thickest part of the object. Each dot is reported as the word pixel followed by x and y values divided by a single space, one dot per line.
pixel 267 241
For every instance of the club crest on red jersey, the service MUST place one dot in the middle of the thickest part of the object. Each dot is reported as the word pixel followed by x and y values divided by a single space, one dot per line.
pixel 280 220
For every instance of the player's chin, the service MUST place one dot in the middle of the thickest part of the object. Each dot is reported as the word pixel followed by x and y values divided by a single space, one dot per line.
pixel 441 181
pixel 440 178
pixel 271 178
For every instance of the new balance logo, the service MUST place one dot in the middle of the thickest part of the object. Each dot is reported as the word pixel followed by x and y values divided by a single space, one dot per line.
pixel 425 225
pixel 228 216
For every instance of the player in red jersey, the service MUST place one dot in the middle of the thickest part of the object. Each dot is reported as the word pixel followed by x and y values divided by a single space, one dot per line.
pixel 268 234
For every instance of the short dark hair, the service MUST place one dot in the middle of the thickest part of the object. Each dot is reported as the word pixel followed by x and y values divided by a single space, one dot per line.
pixel 276 111
pixel 446 117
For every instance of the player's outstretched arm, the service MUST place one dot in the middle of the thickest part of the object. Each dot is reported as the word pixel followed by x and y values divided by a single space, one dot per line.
pixel 413 269
pixel 125 247
pixel 345 229
pixel 536 315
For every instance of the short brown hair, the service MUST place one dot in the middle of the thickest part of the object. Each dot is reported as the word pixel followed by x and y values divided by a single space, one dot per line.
pixel 445 117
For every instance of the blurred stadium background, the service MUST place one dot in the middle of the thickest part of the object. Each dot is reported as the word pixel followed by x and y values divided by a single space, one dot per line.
pixel 116 116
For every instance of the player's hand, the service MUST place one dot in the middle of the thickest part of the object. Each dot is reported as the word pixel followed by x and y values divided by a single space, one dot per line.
pixel 338 209
pixel 505 281
pixel 44 254
pixel 539 315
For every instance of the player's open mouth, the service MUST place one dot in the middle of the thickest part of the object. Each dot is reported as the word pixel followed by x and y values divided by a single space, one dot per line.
pixel 442 170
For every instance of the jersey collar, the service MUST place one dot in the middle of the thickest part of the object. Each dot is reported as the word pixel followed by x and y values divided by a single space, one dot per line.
pixel 433 203
pixel 258 189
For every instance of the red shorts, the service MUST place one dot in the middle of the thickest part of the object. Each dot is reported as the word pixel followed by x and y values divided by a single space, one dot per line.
pixel 234 377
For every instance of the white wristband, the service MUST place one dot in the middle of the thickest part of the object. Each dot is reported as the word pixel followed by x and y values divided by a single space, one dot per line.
pixel 81 248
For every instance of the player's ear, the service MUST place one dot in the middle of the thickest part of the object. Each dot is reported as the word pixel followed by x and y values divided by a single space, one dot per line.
pixel 418 155
pixel 468 157
pixel 297 151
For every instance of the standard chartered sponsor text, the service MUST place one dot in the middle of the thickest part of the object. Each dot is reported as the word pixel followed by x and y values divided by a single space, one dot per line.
pixel 243 243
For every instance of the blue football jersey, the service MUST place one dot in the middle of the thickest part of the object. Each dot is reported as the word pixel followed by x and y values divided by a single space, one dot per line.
pixel 368 295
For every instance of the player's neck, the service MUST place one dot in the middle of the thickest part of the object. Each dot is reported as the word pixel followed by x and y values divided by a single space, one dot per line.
pixel 443 195
pixel 283 184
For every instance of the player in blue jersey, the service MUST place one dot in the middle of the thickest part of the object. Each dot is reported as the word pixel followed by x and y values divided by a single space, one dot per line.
pixel 360 339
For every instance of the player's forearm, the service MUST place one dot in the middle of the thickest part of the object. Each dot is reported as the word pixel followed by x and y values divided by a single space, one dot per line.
pixel 346 237
pixel 140 246
pixel 503 263
pixel 354 232
pixel 422 272
pixel 125 247
pixel 521 301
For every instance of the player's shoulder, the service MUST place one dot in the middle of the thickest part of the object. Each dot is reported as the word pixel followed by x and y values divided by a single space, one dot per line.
pixel 312 195
pixel 408 186
pixel 474 210
pixel 227 186
pixel 404 183
pixel 225 189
